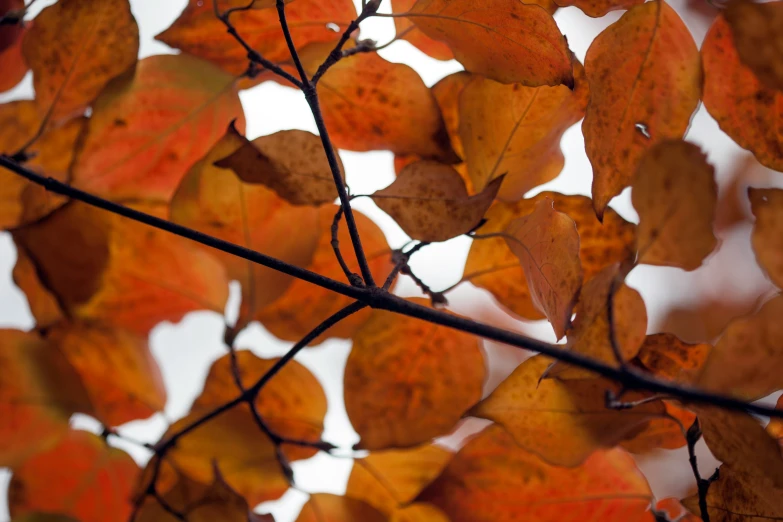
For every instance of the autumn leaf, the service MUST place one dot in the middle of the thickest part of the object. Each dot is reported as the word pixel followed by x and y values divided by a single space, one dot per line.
pixel 407 381
pixel 406 30
pixel 747 359
pixel 755 28
pixel 304 306
pixel 391 479
pixel 547 245
pixel 81 477
pixel 745 109
pixel 675 194
pixel 663 432
pixel 325 507
pixel 515 131
pixel 563 422
pixel 491 264
pixel 645 82
pixel 199 32
pixel 430 202
pixel 43 517
pixel 149 125
pixel 12 62
pixel 215 201
pixel 492 479
pixel 598 8
pixel 667 356
pixel 767 238
pixel 505 40
pixel 39 390
pixel 290 162
pixel 448 92
pixel 419 512
pixel 102 266
pixel 43 304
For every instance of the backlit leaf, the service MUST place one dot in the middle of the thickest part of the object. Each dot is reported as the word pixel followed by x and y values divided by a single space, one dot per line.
pixel 43 304
pixel 516 131
pixel 81 477
pixel 407 381
pixel 448 92
pixel 547 245
pixel 406 30
pixel 755 28
pixel 645 82
pixel 663 432
pixel 75 47
pixel 665 355
pixel 419 512
pixel 598 8
pixel 767 206
pixel 12 62
pixel 492 479
pixel 325 507
pixel 747 110
pixel 149 125
pixel 675 194
pixel 198 32
pixel 563 422
pixel 505 40
pixel 430 202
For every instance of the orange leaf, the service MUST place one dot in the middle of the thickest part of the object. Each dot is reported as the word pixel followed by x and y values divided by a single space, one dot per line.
pixel 516 131
pixel 747 110
pixel 102 266
pixel 324 507
pixel 197 31
pixel 598 8
pixel 75 47
pixel 43 304
pixel 767 207
pixel 665 355
pixel 149 124
pixel 563 422
pixel 505 40
pixel 81 477
pixel 419 512
pixel 406 30
pixel 407 381
pixel 388 480
pixel 430 202
pixel 293 403
pixel 675 194
pixel 492 479
pixel 547 245
pixel 666 432
pixel 491 264
pixel 214 201
pixel 12 62
pixel 748 358
pixel 369 103
pixel 645 82
pixel 39 390
pixel 44 517
pixel 775 426
pixel 447 93
pixel 290 162
pixel 304 306
pixel 122 379
pixel 756 31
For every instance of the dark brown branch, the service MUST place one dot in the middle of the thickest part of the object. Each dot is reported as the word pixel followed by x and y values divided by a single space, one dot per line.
pixel 354 279
pixel 703 485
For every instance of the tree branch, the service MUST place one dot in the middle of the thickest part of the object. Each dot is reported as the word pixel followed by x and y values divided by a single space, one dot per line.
pixel 703 485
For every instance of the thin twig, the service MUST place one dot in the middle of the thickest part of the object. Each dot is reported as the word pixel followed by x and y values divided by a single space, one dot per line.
pixel 353 278
pixel 703 485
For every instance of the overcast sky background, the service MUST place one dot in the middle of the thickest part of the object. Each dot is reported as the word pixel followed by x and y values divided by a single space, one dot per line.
pixel 185 350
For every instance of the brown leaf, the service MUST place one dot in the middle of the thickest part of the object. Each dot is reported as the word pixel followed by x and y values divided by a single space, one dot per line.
pixel 747 110
pixel 81 477
pixel 767 207
pixel 598 8
pixel 748 359
pixel 430 202
pixel 290 162
pixel 325 507
pixel 406 30
pixel 75 47
pixel 391 479
pixel 547 245
pixel 491 264
pixel 12 62
pixel 407 381
pixel 665 355
pixel 43 304
pixel 645 82
pixel 448 92
pixel 755 28
pixel 149 124
pixel 492 479
pixel 563 422
pixel 198 31
pixel 505 40
pixel 419 512
pixel 663 432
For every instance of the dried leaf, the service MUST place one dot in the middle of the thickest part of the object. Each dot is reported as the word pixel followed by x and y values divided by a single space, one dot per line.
pixel 516 131
pixel 665 355
pixel 419 512
pixel 755 28
pixel 563 422
pixel 407 381
pixel 747 110
pixel 675 194
pixel 81 477
pixel 149 124
pixel 505 40
pixel 12 62
pixel 598 8
pixel 43 304
pixel 430 202
pixel 75 47
pixel 645 82
pixel 406 30
pixel 547 245
pixel 492 479
pixel 324 507
pixel 664 432
pixel 448 92
pixel 767 207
